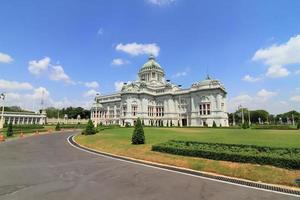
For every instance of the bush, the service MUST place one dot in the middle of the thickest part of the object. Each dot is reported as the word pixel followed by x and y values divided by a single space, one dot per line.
pixel 214 124
pixel 298 125
pixel 89 129
pixel 138 136
pixel 9 132
pixel 245 125
pixel 57 127
pixel 274 127
pixel 280 157
pixel 127 124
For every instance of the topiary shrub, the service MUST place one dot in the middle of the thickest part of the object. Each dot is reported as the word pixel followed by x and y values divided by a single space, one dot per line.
pixel 57 127
pixel 9 132
pixel 138 136
pixel 214 124
pixel 167 123
pixel 90 129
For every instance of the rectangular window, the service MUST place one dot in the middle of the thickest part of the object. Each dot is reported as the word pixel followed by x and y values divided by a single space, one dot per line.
pixel 134 110
pixel 124 110
pixel 204 109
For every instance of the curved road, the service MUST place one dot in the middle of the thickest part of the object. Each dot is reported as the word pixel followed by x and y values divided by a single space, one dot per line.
pixel 47 167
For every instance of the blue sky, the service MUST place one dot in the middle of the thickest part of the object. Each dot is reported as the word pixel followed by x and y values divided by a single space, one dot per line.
pixel 67 50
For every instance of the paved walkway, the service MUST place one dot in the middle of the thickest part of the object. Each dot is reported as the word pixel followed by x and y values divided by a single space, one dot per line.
pixel 47 167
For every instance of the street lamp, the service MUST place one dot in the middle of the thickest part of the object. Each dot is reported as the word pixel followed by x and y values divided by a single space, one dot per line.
pixel 96 111
pixel 2 97
pixel 241 107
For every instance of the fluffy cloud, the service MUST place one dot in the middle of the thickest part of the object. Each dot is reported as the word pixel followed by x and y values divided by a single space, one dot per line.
pixel 119 85
pixel 136 49
pixel 93 84
pixel 160 2
pixel 5 58
pixel 257 101
pixel 14 85
pixel 252 79
pixel 265 95
pixel 277 56
pixel 277 71
pixel 38 94
pixel 181 74
pixel 295 98
pixel 58 74
pixel 119 61
pixel 91 93
pixel 36 67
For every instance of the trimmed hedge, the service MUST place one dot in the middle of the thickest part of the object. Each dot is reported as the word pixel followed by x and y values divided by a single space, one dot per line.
pixel 275 127
pixel 279 157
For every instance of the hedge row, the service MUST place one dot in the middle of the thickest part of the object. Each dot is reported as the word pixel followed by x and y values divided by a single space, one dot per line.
pixel 280 157
pixel 275 127
pixel 72 126
pixel 27 126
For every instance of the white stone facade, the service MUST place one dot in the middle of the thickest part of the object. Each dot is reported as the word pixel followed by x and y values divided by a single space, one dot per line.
pixel 24 118
pixel 157 101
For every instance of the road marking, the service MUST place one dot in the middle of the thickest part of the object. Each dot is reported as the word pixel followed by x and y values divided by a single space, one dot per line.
pixel 124 159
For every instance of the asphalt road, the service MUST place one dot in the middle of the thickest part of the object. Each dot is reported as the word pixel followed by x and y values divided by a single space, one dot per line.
pixel 47 167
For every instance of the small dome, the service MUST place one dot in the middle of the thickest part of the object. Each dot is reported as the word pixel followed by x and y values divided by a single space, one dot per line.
pixel 151 64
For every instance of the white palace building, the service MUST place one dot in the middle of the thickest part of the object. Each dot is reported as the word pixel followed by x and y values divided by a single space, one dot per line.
pixel 158 102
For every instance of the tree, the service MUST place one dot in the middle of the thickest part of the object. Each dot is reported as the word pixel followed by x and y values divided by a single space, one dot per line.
pixel 138 136
pixel 57 127
pixel 214 124
pixel 90 129
pixel 298 125
pixel 9 132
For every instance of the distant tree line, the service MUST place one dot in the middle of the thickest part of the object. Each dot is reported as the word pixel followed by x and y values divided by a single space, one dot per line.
pixel 71 112
pixel 263 117
pixel 14 109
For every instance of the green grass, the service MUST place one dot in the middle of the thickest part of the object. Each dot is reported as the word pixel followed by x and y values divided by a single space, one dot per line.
pixel 118 141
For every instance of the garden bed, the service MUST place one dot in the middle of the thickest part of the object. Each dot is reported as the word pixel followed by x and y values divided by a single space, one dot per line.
pixel 280 157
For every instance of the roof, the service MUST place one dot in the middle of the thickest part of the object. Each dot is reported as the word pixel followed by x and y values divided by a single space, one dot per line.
pixel 151 64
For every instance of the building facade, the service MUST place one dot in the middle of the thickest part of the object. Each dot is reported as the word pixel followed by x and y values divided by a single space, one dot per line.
pixel 24 117
pixel 158 102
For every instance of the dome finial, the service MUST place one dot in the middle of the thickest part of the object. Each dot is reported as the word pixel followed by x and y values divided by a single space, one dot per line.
pixel 151 57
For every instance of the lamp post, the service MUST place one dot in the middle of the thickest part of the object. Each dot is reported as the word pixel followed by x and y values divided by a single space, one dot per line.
pixel 2 96
pixel 96 109
pixel 241 107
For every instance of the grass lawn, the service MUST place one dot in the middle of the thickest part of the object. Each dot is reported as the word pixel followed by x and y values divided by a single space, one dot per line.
pixel 118 141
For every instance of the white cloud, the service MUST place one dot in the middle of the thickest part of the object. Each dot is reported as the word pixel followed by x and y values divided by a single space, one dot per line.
pixel 91 93
pixel 119 85
pixel 37 67
pixel 58 74
pixel 5 58
pixel 265 95
pixel 39 93
pixel 119 61
pixel 14 85
pixel 295 98
pixel 181 74
pixel 277 71
pixel 136 49
pixel 93 84
pixel 160 2
pixel 276 56
pixel 261 100
pixel 252 79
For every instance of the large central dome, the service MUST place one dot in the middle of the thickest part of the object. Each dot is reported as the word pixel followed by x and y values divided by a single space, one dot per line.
pixel 151 71
pixel 151 64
